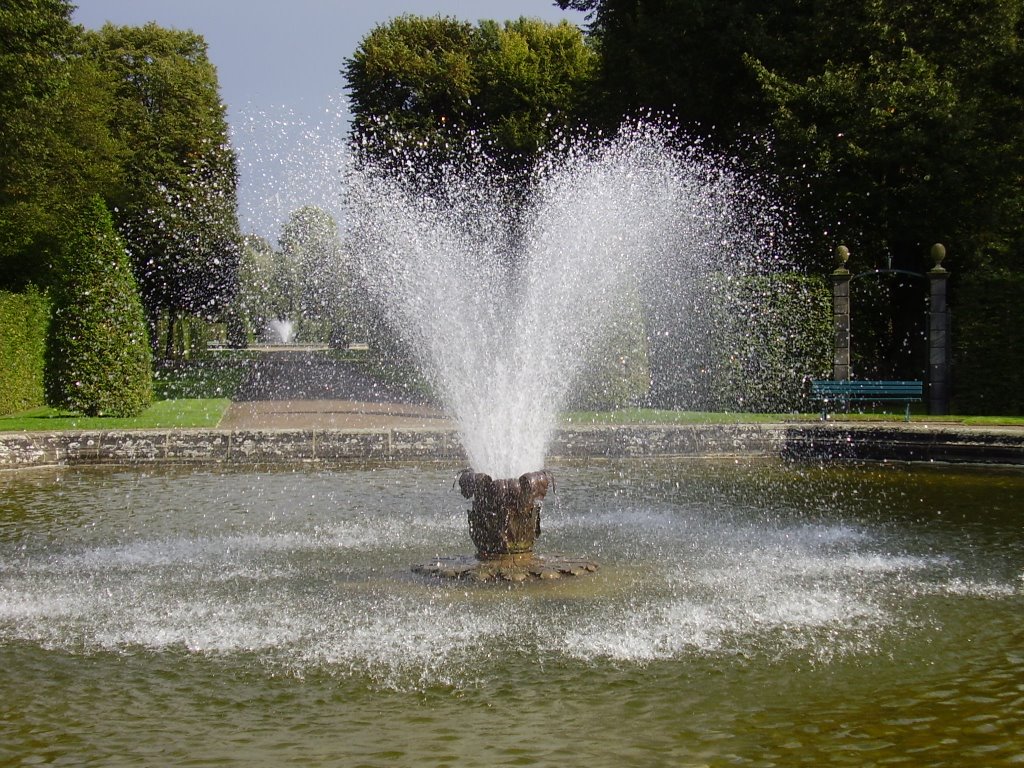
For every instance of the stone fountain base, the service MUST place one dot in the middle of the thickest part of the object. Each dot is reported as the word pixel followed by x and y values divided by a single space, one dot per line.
pixel 504 522
pixel 511 568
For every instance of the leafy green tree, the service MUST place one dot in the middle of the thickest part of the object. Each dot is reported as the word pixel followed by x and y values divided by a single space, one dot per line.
pixel 310 241
pixel 892 125
pixel 56 150
pixel 98 360
pixel 533 80
pixel 413 78
pixel 685 58
pixel 177 206
pixel 912 133
pixel 431 84
pixel 35 38
pixel 256 299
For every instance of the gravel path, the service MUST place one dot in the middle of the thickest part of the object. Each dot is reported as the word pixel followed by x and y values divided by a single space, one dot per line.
pixel 299 389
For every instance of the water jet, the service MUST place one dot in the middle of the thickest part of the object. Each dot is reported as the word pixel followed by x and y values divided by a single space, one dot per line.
pixel 280 331
pixel 506 309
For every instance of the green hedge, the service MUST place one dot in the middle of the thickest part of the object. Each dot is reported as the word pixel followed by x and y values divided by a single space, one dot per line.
pixel 98 361
pixel 988 345
pixel 744 343
pixel 23 319
pixel 619 372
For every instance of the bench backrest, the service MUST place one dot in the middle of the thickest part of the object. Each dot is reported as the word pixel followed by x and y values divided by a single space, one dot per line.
pixel 864 388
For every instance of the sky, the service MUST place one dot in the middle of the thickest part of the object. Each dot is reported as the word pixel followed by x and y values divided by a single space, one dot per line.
pixel 278 63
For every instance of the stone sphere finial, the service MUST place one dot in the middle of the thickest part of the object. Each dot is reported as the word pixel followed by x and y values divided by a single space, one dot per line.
pixel 841 257
pixel 938 254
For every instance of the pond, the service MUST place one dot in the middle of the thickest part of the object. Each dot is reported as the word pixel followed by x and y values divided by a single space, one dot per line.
pixel 747 612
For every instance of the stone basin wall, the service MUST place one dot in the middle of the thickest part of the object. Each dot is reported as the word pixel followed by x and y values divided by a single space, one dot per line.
pixel 817 441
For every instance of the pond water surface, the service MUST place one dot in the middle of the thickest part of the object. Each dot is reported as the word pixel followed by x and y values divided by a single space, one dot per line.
pixel 751 613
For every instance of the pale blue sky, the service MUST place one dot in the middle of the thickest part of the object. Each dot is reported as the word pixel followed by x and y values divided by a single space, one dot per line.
pixel 278 62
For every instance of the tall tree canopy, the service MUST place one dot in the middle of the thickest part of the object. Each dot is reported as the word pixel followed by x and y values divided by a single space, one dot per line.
pixel 912 131
pixel 436 81
pixel 685 57
pixel 311 243
pixel 177 207
pixel 57 150
pixel 895 124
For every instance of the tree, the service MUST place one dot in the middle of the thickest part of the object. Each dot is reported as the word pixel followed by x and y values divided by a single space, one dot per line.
pixel 177 206
pixel 310 241
pixel 891 125
pixel 36 36
pixel 413 78
pixel 431 84
pixel 97 358
pixel 685 58
pixel 911 133
pixel 534 81
pixel 56 150
pixel 255 300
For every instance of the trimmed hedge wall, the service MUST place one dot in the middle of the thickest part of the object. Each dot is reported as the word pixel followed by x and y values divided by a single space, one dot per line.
pixel 24 318
pixel 745 343
pixel 97 357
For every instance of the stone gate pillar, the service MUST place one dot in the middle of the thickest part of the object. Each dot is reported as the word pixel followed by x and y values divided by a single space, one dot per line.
pixel 841 315
pixel 939 342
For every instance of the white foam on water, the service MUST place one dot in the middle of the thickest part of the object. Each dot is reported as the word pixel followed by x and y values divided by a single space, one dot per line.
pixel 336 595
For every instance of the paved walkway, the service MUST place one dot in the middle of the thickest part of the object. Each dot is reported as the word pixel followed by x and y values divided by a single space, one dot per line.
pixel 299 390
pixel 330 414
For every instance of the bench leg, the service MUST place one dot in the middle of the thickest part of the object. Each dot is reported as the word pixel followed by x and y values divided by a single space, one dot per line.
pixel 906 416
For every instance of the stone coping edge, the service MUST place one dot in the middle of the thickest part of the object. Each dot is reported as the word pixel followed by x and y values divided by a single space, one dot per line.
pixel 819 441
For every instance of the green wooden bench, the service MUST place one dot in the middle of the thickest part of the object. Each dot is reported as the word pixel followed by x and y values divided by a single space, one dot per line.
pixel 845 392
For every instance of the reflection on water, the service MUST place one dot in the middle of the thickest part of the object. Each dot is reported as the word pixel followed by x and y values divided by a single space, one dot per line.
pixel 750 613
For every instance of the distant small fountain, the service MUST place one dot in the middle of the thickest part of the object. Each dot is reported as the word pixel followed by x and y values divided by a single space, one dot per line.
pixel 503 306
pixel 281 330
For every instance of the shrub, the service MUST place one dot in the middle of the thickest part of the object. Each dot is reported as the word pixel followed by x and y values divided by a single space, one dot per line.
pixel 98 359
pixel 619 374
pixel 24 318
pixel 745 344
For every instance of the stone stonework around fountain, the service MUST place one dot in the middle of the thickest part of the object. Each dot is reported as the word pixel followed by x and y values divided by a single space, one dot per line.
pixel 814 440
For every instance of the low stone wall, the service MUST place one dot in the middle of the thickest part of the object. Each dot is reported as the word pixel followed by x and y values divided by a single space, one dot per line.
pixel 914 442
pixel 899 442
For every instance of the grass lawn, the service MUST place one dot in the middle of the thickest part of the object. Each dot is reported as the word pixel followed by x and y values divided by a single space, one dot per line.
pixel 163 414
pixel 183 413
pixel 653 416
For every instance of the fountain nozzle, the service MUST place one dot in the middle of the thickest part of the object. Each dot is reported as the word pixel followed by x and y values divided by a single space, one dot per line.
pixel 505 517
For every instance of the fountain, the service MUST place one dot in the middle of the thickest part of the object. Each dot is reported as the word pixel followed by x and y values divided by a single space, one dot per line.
pixel 504 307
pixel 746 612
pixel 280 331
pixel 504 523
